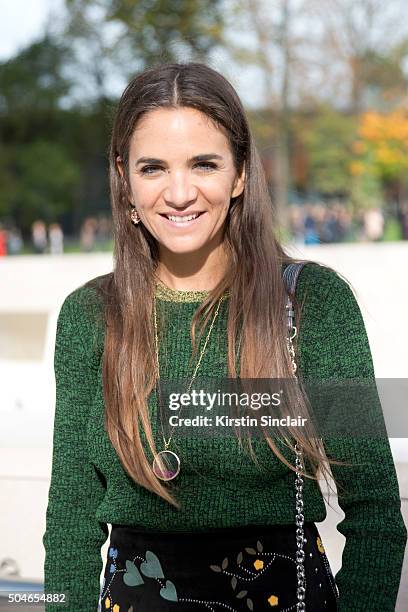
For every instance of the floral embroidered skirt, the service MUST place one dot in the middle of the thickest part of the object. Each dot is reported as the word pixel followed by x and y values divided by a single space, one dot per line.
pixel 235 570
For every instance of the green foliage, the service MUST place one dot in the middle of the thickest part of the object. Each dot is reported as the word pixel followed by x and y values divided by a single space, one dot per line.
pixel 53 155
pixel 42 182
pixel 392 230
pixel 55 114
pixel 366 192
pixel 263 126
pixel 328 138
pixel 157 27
pixel 33 79
pixel 380 78
pixel 52 160
pixel 151 32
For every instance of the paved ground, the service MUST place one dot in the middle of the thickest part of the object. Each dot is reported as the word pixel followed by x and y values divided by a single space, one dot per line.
pixel 39 284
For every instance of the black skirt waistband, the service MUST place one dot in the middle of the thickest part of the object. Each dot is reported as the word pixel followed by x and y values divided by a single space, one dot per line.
pixel 280 536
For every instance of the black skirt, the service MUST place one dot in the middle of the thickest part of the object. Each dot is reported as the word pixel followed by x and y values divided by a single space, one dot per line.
pixel 235 570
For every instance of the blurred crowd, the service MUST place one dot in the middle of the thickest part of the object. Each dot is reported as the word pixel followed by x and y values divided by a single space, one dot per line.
pixel 320 223
pixel 95 233
pixel 309 223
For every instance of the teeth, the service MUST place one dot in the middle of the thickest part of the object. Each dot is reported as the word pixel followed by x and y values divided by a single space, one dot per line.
pixel 183 219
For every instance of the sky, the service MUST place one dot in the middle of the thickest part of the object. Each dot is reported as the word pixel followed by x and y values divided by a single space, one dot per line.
pixel 21 22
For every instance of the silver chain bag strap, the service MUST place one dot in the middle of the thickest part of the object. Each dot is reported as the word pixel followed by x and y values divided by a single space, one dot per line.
pixel 290 276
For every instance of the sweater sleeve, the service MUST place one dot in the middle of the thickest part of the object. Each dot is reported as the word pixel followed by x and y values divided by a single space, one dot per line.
pixel 73 537
pixel 369 493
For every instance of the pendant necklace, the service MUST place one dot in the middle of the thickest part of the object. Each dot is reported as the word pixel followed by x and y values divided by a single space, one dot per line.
pixel 166 463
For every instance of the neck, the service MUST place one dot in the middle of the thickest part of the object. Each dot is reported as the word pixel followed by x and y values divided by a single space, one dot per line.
pixel 192 271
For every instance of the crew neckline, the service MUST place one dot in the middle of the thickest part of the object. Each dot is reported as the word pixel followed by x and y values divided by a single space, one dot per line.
pixel 164 292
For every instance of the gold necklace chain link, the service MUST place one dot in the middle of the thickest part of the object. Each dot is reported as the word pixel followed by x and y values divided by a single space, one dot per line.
pixel 166 443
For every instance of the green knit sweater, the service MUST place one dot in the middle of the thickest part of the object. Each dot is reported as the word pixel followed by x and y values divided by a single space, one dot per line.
pixel 89 487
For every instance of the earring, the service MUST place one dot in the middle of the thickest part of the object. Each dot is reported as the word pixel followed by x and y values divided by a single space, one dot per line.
pixel 134 216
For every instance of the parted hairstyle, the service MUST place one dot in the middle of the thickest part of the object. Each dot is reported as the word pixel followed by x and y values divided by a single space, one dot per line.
pixel 256 312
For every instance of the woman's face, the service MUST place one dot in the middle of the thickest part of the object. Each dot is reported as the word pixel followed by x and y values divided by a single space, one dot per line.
pixel 182 178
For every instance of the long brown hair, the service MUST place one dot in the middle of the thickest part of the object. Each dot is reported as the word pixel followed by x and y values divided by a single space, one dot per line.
pixel 257 295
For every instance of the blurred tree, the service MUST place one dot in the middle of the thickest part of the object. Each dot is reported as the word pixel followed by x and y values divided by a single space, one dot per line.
pixel 381 150
pixel 328 137
pixel 382 79
pixel 32 89
pixel 275 53
pixel 40 182
pixel 97 51
pixel 308 53
pixel 282 176
pixel 115 39
pixel 157 28
pixel 56 100
pixel 34 78
pixel 366 192
pixel 360 45
pixel 65 146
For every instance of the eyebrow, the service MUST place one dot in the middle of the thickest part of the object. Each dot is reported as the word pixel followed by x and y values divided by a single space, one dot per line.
pixel 196 158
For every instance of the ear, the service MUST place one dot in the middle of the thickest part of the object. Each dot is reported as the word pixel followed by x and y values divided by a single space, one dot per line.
pixel 119 165
pixel 239 183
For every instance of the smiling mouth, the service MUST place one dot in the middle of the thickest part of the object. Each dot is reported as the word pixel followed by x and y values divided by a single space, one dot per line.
pixel 181 219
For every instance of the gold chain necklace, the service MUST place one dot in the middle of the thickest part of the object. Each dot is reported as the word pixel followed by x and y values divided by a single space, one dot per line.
pixel 166 463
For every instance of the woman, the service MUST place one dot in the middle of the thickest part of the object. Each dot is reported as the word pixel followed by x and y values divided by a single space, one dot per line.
pixel 205 525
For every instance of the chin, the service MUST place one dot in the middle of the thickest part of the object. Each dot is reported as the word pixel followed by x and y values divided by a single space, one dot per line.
pixel 180 247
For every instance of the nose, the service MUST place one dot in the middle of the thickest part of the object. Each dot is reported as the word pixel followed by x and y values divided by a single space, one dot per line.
pixel 180 189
